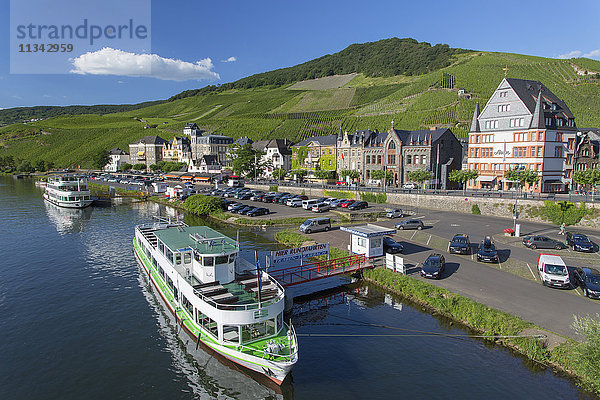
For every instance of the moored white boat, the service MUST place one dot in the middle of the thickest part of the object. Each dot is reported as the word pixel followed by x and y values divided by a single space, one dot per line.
pixel 240 317
pixel 68 191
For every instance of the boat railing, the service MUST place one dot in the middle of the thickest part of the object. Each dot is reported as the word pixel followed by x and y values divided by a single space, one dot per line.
pixel 231 307
pixel 292 345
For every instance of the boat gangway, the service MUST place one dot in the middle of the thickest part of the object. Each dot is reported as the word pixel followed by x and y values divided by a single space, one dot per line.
pixel 296 275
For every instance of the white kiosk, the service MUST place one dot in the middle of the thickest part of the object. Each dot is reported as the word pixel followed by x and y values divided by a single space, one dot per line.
pixel 367 239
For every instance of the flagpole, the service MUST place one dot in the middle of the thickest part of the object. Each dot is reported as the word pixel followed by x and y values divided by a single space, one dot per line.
pixel 258 277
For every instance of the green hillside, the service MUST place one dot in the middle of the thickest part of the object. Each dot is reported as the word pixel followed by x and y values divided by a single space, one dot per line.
pixel 412 102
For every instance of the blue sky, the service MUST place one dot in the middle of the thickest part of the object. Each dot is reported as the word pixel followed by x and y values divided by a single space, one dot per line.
pixel 265 35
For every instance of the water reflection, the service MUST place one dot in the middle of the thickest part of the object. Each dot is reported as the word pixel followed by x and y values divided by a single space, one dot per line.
pixel 68 220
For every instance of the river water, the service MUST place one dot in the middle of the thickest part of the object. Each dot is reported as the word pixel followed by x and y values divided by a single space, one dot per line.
pixel 78 322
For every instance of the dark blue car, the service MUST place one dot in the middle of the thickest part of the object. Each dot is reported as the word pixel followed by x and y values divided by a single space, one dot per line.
pixel 433 267
pixel 579 242
pixel 487 251
pixel 460 244
pixel 589 280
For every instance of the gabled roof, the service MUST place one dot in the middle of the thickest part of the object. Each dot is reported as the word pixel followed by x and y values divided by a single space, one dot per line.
pixel 537 122
pixel 210 159
pixel 327 140
pixel 243 141
pixel 528 92
pixel 191 125
pixel 151 140
pixel 116 152
pixel 181 140
pixel 420 137
pixel 475 120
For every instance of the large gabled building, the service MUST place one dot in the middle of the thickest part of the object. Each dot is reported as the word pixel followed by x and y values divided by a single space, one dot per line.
pixel 523 125
pixel 319 152
pixel 147 150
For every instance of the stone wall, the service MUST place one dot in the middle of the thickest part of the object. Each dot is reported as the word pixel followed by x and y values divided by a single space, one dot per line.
pixel 488 205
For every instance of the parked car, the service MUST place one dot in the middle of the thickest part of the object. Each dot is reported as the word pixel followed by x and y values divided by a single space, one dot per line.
pixel 589 280
pixel 294 202
pixel 257 197
pixel 244 209
pixel 460 244
pixel 346 203
pixel 434 266
pixel 409 185
pixel 329 200
pixel 542 242
pixel 320 207
pixel 268 199
pixel 579 242
pixel 258 211
pixel 410 224
pixel 302 197
pixel 486 252
pixel 244 196
pixel 391 246
pixel 394 213
pixel 336 203
pixel 315 225
pixel 237 207
pixel 307 204
pixel 553 271
pixel 232 204
pixel 358 205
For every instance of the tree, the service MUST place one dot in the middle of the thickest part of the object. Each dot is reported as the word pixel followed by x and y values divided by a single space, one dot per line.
pixel 25 166
pixel 589 177
pixel 463 176
pixel 279 173
pixel 50 165
pixel 202 205
pixel 299 174
pixel 154 167
pixel 350 173
pixel 100 159
pixel 40 166
pixel 247 161
pixel 139 166
pixel 7 163
pixel 378 174
pixel 420 176
pixel 522 176
pixel 324 174
pixel 125 167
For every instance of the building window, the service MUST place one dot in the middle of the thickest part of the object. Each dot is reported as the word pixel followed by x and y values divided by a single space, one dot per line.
pixel 391 159
pixel 423 159
pixel 379 159
pixel 409 159
pixel 549 121
pixel 391 146
pixel 558 151
pixel 368 160
pixel 559 137
pixel 569 159
pixel 540 136
pixel 570 143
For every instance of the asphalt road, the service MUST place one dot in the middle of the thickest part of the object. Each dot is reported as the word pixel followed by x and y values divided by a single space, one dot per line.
pixel 548 308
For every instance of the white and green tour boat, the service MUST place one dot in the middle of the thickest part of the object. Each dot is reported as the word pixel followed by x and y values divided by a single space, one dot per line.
pixel 68 191
pixel 240 317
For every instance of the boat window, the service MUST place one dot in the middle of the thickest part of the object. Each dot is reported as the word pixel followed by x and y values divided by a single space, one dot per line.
pixel 161 271
pixel 211 326
pixel 200 317
pixel 221 259
pixel 170 282
pixel 161 247
pixel 169 255
pixel 231 334
pixel 232 257
pixel 197 257
pixel 178 258
pixel 187 305
pixel 279 322
pixel 208 261
pixel 258 330
pixel 153 261
pixel 187 258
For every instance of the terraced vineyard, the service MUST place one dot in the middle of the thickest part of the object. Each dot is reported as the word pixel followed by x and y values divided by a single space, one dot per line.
pixel 412 102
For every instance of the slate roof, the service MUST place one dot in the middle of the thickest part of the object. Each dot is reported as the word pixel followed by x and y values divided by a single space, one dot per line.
pixel 116 152
pixel 151 140
pixel 282 145
pixel 243 141
pixel 210 159
pixel 528 92
pixel 327 140
pixel 421 137
pixel 191 125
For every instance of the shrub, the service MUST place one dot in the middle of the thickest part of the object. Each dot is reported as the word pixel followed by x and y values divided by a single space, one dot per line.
pixel 381 198
pixel 370 197
pixel 587 354
pixel 340 194
pixel 202 205
pixel 273 188
pixel 571 215
pixel 303 192
pixel 475 209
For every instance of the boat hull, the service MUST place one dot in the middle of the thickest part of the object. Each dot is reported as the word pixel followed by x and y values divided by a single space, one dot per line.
pixel 69 204
pixel 275 372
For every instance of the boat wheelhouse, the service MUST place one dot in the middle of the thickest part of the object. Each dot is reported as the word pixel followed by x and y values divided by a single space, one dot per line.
pixel 68 191
pixel 193 269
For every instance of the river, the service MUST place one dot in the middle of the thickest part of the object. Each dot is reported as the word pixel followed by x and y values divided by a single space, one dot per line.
pixel 78 322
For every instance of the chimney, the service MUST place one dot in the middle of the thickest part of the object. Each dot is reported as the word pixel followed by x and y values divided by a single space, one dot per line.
pixel 432 128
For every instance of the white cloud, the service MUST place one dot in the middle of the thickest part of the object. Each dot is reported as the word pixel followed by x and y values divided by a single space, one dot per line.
pixel 571 54
pixel 593 54
pixel 230 59
pixel 109 61
pixel 120 82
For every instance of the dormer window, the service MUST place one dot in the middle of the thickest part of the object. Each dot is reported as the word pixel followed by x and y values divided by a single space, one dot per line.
pixel 571 122
pixel 553 106
pixel 549 121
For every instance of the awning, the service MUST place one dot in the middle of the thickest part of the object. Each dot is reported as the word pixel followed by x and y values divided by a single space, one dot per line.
pixel 553 182
pixel 140 153
pixel 486 178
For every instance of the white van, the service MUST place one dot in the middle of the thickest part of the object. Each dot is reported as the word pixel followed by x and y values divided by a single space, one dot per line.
pixel 308 204
pixel 553 271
